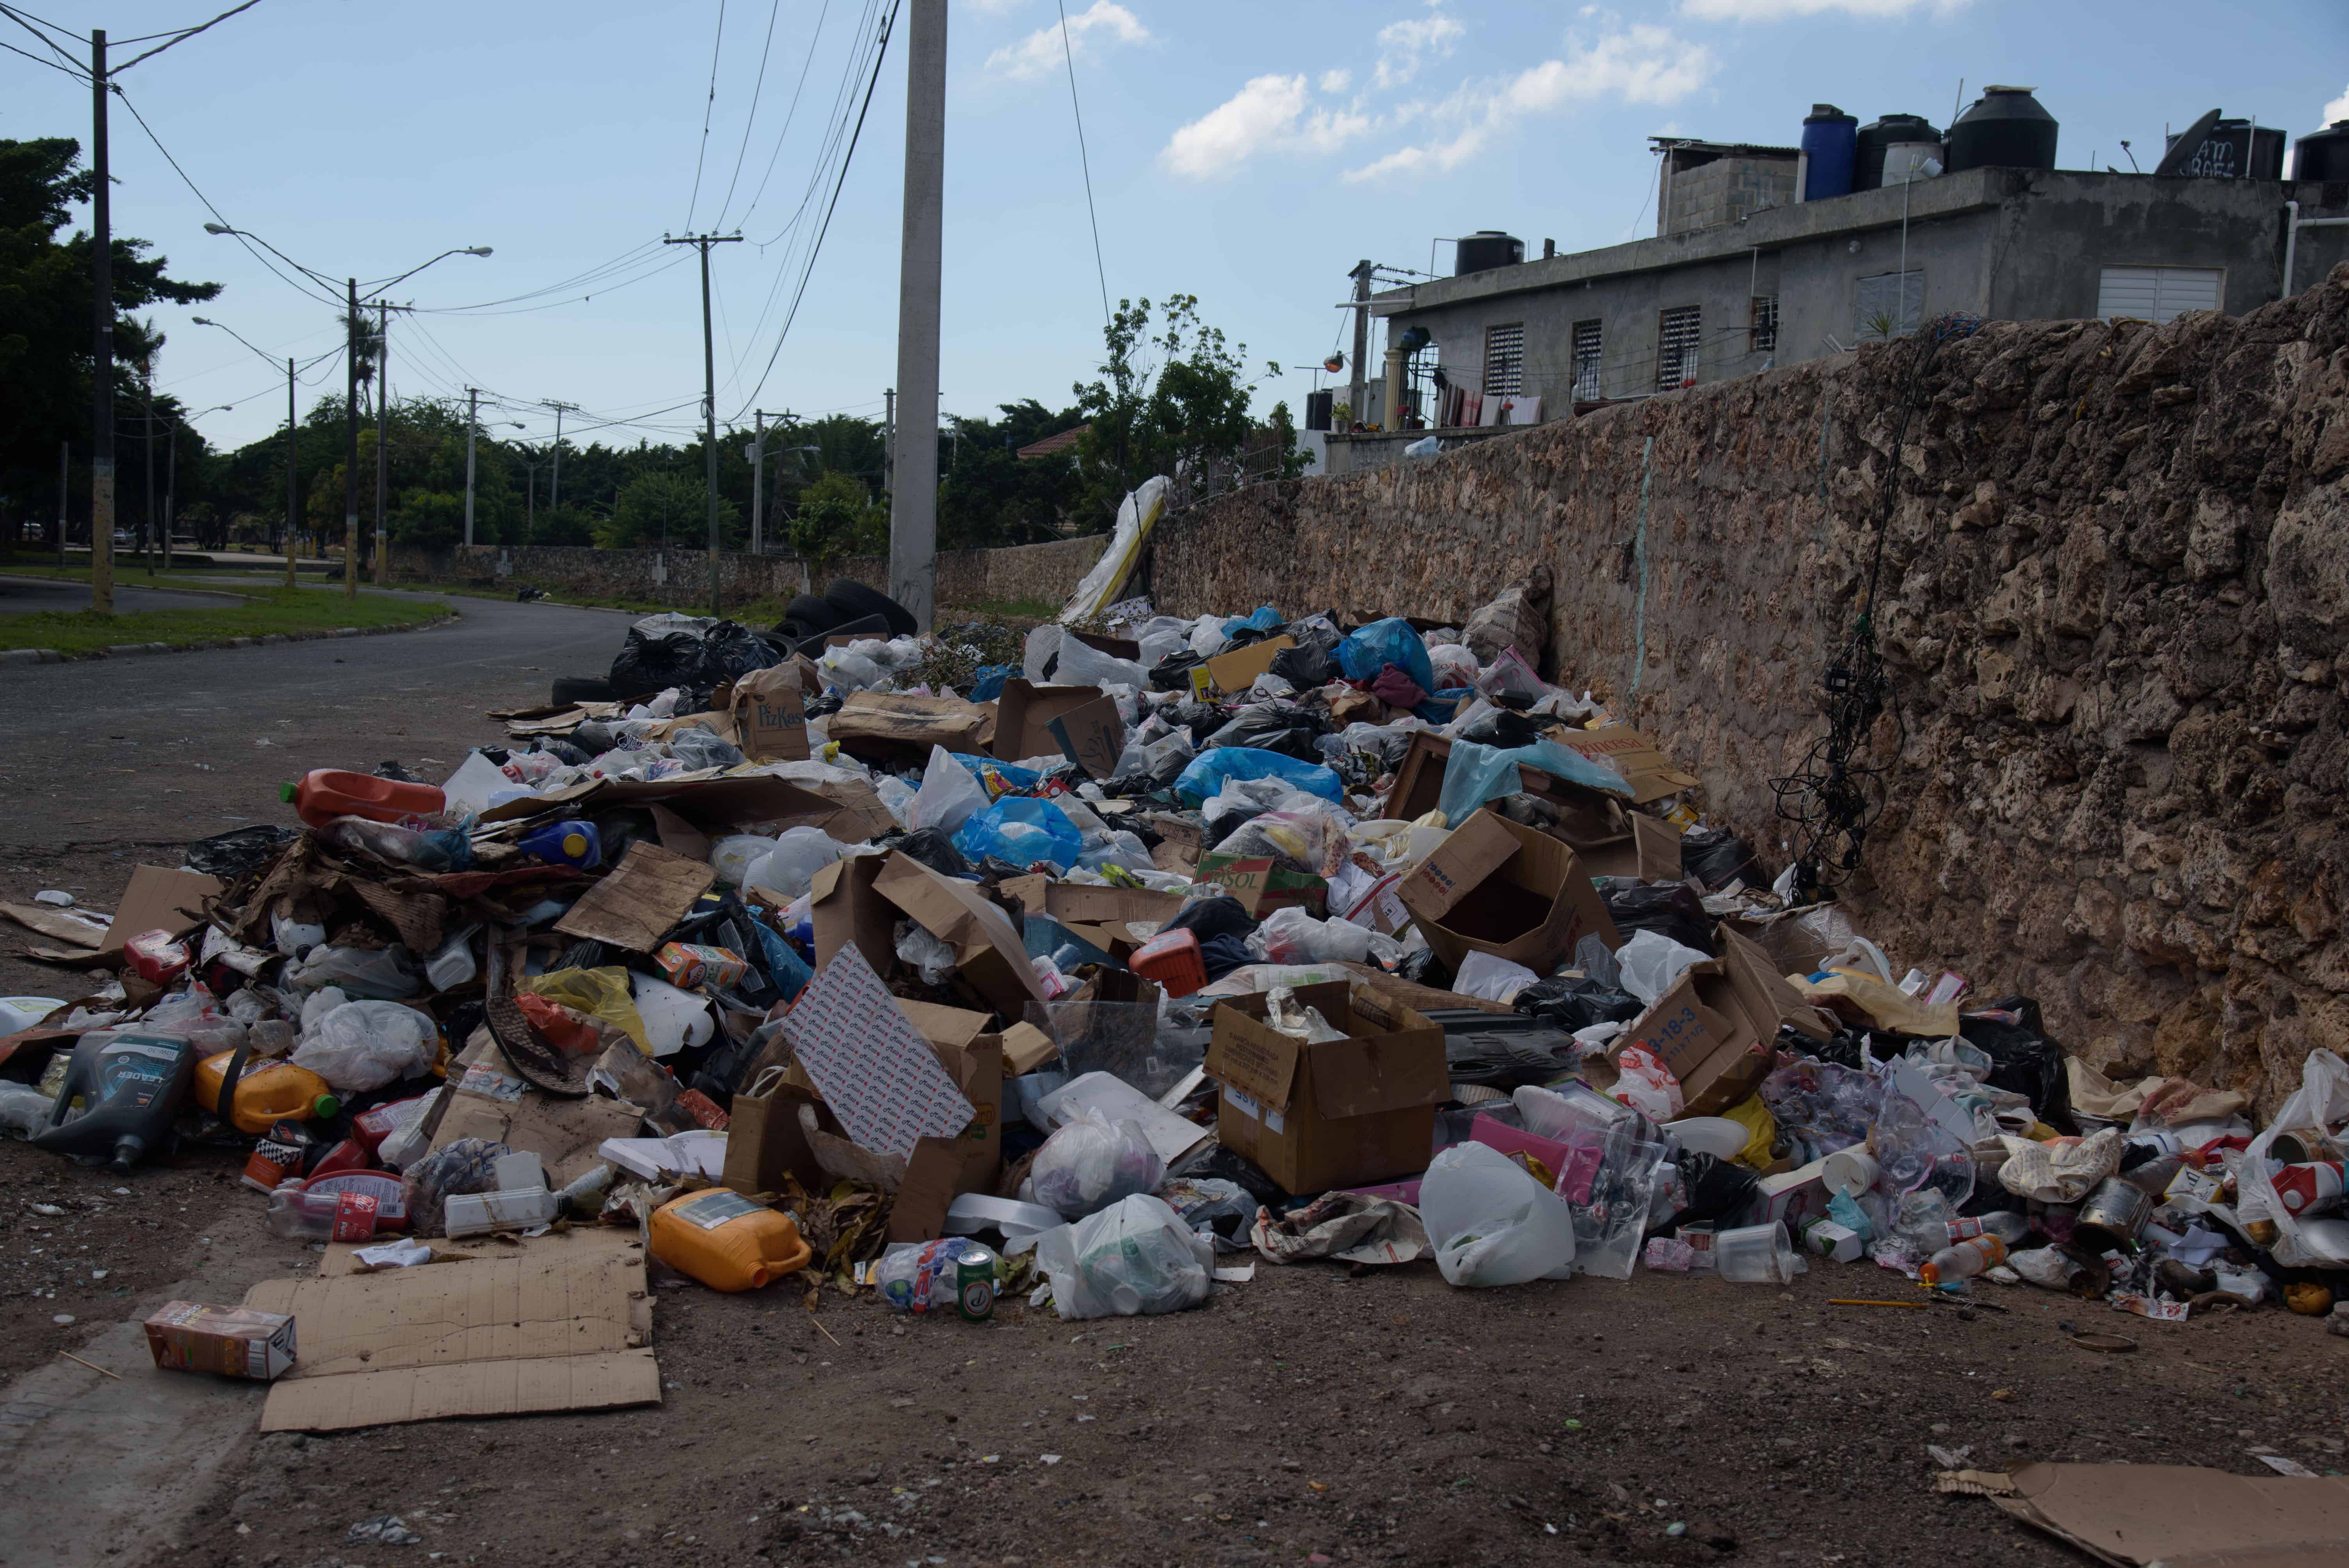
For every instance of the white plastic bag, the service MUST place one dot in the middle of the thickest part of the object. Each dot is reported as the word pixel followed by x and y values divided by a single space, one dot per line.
pixel 362 1045
pixel 949 794
pixel 790 868
pixel 1134 1258
pixel 388 975
pixel 1490 979
pixel 1491 1222
pixel 1292 936
pixel 1647 1086
pixel 1092 1163
pixel 1653 964
pixel 931 955
pixel 2321 1100
pixel 24 1110
pixel 735 854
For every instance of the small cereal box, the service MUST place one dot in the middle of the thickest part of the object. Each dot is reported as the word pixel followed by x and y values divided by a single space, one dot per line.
pixel 234 1341
pixel 688 964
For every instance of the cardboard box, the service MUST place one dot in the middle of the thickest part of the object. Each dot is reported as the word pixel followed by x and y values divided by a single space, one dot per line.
pixel 1717 1029
pixel 1649 772
pixel 1092 737
pixel 886 726
pixel 844 909
pixel 770 713
pixel 990 953
pixel 1499 888
pixel 1263 884
pixel 234 1341
pixel 941 1169
pixel 157 899
pixel 750 803
pixel 1238 670
pixel 1343 1113
pixel 1102 917
pixel 1611 841
pixel 1024 713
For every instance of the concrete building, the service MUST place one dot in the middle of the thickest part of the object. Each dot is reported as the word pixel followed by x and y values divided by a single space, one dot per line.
pixel 1732 285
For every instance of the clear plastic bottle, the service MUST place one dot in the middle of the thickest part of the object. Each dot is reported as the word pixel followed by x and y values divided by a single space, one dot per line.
pixel 453 964
pixel 1963 1260
pixel 305 1216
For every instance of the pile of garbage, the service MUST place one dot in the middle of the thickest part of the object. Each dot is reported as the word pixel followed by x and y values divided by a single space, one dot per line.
pixel 1175 945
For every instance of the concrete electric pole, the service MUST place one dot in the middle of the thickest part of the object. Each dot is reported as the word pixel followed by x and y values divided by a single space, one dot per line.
pixel 913 488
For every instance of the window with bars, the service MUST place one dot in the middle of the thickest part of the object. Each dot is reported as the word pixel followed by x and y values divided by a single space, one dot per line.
pixel 1763 334
pixel 1891 305
pixel 1505 359
pixel 1678 337
pixel 1587 349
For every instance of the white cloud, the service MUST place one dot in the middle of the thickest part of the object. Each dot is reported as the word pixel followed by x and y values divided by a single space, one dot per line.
pixel 2338 108
pixel 1270 113
pixel 1337 81
pixel 1041 52
pixel 1783 10
pixel 1404 47
pixel 1640 64
pixel 993 7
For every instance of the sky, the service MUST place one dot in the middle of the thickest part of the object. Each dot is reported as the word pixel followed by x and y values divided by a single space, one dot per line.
pixel 1247 154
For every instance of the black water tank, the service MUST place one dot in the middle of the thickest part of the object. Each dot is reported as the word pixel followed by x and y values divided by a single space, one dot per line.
pixel 2004 129
pixel 2235 150
pixel 1867 167
pixel 1318 409
pixel 1485 250
pixel 2323 154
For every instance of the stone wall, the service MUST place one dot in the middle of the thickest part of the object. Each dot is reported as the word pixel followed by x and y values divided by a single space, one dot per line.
pixel 2114 603
pixel 679 579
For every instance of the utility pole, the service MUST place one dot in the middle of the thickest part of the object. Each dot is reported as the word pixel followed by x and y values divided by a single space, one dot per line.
pixel 101 267
pixel 709 392
pixel 1357 389
pixel 888 441
pixel 914 502
pixel 293 484
pixel 758 485
pixel 171 489
pixel 351 451
pixel 382 442
pixel 147 457
pixel 555 480
pixel 473 425
pixel 65 494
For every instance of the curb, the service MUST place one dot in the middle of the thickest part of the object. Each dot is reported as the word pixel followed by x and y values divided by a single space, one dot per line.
pixel 19 656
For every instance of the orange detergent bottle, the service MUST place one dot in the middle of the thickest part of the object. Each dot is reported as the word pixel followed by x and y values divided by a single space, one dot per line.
pixel 265 1092
pixel 326 793
pixel 726 1241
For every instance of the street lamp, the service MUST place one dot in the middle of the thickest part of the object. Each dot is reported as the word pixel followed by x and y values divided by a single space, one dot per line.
pixel 288 538
pixel 171 475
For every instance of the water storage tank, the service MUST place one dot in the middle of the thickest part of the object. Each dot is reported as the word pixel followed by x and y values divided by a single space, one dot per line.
pixel 1318 409
pixel 2004 129
pixel 1485 250
pixel 1876 136
pixel 2323 154
pixel 2236 149
pixel 1829 143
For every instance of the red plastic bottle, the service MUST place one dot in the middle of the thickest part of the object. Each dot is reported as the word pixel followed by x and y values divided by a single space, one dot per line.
pixel 326 793
pixel 350 1155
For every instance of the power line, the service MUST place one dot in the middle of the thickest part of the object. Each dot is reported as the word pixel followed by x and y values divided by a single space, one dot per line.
pixel 773 9
pixel 1084 161
pixel 814 42
pixel 77 76
pixel 708 107
pixel 180 36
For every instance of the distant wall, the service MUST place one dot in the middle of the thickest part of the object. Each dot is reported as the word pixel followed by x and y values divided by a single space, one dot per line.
pixel 2114 602
pixel 679 579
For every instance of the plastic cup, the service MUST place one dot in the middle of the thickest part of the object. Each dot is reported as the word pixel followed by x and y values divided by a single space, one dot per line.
pixel 1851 1172
pixel 1756 1254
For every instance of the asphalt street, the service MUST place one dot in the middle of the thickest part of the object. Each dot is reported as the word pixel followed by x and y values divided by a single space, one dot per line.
pixel 119 762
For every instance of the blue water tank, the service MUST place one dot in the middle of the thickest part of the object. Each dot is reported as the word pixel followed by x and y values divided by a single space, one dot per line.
pixel 1831 138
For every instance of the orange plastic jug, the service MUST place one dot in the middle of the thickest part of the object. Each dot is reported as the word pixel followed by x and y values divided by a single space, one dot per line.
pixel 726 1241
pixel 265 1092
pixel 326 793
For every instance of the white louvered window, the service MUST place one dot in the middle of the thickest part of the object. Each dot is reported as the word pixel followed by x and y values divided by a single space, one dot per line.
pixel 2159 293
pixel 1679 334
pixel 1891 305
pixel 1505 359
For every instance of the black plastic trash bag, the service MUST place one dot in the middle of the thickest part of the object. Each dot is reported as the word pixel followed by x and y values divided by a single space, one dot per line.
pixel 648 665
pixel 1502 1052
pixel 1172 673
pixel 1281 727
pixel 1667 908
pixel 1219 916
pixel 1312 662
pixel 2025 1062
pixel 729 651
pixel 1717 1189
pixel 1576 1002
pixel 230 855
pixel 1505 729
pixel 935 848
pixel 1716 857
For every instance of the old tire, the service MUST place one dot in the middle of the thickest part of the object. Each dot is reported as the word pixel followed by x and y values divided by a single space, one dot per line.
pixel 815 612
pixel 854 601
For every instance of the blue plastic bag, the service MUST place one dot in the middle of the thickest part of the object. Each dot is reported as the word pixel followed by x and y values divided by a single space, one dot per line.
pixel 1206 775
pixel 790 972
pixel 1014 778
pixel 988 681
pixel 1022 829
pixel 1382 643
pixel 1475 774
pixel 1265 618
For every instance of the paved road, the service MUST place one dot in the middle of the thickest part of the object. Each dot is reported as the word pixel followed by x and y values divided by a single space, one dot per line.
pixel 24 595
pixel 114 762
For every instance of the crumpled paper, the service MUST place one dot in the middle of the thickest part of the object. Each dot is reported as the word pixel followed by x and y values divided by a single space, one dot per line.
pixel 1350 1226
pixel 2061 1171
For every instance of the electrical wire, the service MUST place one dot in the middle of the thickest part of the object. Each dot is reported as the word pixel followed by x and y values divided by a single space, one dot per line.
pixel 716 48
pixel 26 20
pixel 814 42
pixel 1085 161
pixel 179 36
pixel 774 8
pixel 82 77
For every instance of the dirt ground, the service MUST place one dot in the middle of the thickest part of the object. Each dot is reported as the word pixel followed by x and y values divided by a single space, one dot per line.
pixel 1308 1416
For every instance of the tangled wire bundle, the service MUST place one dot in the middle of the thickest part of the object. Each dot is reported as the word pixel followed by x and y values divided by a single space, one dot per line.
pixel 1837 794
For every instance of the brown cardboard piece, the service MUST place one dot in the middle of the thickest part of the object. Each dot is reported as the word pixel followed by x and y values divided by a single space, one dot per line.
pixel 562 1133
pixel 1341 1113
pixel 740 804
pixel 858 814
pixel 1238 670
pixel 1262 884
pixel 647 893
pixel 1024 714
pixel 1026 1047
pixel 764 1140
pixel 1717 1027
pixel 887 726
pixel 1497 887
pixel 1092 737
pixel 157 899
pixel 844 910
pixel 2181 1516
pixel 941 1169
pixel 1100 915
pixel 1644 767
pixel 990 952
pixel 956 1027
pixel 557 1328
pixel 769 710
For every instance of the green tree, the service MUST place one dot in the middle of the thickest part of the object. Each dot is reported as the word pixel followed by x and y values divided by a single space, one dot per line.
pixel 1175 402
pixel 45 352
pixel 988 495
pixel 564 524
pixel 664 509
pixel 837 517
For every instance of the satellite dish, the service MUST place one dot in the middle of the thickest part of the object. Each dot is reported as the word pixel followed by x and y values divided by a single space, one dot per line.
pixel 2181 151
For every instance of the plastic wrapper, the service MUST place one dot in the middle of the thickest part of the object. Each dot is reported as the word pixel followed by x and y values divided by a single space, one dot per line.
pixel 1490 1223
pixel 790 868
pixel 1219 1209
pixel 1518 619
pixel 1092 1163
pixel 1647 1086
pixel 733 856
pixel 231 855
pixel 1135 1258
pixel 1652 964
pixel 2321 1100
pixel 931 957
pixel 601 992
pixel 23 1112
pixel 950 793
pixel 1667 908
pixel 1312 841
pixel 1206 775
pixel 1292 936
pixel 1023 831
pixel 465 1165
pixel 1610 1199
pixel 363 1046
pixel 388 975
